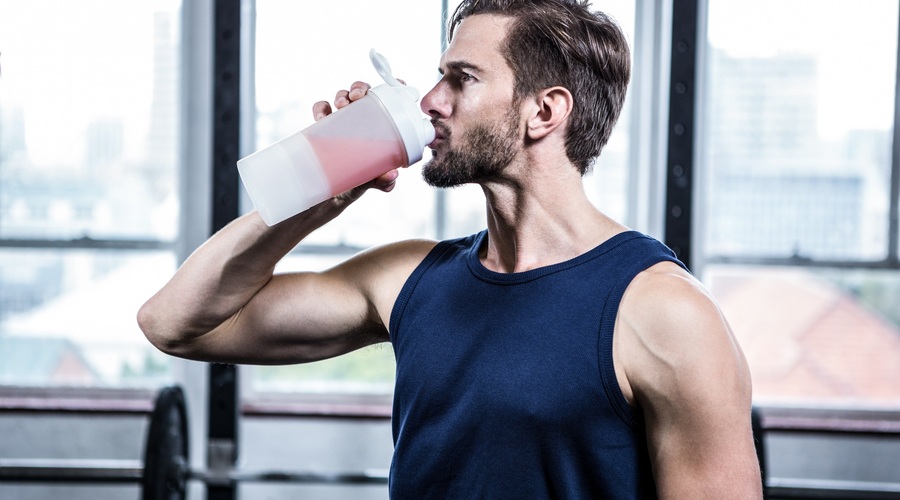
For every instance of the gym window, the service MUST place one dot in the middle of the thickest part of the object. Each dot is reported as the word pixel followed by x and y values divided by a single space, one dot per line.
pixel 102 193
pixel 797 202
pixel 90 187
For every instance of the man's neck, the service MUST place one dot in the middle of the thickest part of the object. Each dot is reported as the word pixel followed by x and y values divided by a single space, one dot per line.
pixel 541 220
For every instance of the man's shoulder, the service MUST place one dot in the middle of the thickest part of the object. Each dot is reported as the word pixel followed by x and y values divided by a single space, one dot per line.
pixel 672 322
pixel 666 298
pixel 399 257
pixel 380 272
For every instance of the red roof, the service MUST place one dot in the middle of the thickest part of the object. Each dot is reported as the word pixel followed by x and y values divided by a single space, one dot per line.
pixel 808 340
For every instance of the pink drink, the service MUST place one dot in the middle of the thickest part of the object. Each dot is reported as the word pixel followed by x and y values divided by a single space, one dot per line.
pixel 356 144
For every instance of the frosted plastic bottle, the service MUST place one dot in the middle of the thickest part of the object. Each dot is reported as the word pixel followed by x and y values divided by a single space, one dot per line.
pixel 351 146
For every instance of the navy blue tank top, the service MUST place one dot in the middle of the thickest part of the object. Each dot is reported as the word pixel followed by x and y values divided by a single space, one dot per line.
pixel 505 382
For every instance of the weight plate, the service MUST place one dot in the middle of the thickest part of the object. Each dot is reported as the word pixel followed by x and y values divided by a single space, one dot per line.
pixel 166 448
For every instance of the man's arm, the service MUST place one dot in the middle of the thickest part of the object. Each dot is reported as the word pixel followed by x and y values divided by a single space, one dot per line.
pixel 684 370
pixel 225 304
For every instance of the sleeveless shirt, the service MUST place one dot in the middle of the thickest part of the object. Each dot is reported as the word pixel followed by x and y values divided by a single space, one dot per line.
pixel 505 384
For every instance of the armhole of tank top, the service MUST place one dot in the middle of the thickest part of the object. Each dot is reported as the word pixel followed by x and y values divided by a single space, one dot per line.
pixel 605 353
pixel 610 381
pixel 411 283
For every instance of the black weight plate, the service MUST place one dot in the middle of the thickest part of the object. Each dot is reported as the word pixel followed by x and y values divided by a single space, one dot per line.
pixel 166 449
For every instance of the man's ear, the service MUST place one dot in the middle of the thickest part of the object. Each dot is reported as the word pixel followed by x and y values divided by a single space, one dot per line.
pixel 553 108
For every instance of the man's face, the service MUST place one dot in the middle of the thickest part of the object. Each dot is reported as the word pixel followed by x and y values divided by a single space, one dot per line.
pixel 480 152
pixel 478 128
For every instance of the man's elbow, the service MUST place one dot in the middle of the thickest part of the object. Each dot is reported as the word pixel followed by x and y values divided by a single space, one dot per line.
pixel 152 322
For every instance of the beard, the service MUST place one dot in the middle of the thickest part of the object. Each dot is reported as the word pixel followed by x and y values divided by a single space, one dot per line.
pixel 484 152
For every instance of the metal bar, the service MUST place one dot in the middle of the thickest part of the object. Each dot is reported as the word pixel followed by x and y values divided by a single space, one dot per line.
pixel 131 471
pixel 813 425
pixel 887 264
pixel 222 446
pixel 894 215
pixel 223 393
pixel 831 489
pixel 81 406
pixel 297 477
pixel 682 123
pixel 88 243
pixel 759 440
pixel 71 471
pixel 226 111
pixel 339 249
pixel 440 195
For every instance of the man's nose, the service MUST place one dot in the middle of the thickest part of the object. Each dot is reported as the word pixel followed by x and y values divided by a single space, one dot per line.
pixel 435 103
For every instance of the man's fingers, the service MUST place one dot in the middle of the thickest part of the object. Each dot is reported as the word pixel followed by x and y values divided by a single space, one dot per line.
pixel 386 181
pixel 358 90
pixel 341 99
pixel 320 110
pixel 344 97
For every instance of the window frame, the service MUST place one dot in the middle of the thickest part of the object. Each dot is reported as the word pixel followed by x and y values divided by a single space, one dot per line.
pixel 653 118
pixel 658 28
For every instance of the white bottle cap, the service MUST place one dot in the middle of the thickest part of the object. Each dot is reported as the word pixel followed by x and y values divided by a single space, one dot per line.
pixel 399 100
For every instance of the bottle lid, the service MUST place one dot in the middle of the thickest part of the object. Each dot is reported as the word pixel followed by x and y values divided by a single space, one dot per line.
pixel 400 101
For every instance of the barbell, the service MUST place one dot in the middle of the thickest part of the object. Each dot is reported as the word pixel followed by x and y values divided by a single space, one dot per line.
pixel 165 471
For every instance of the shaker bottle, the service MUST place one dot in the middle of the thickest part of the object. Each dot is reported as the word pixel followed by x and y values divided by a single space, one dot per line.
pixel 351 146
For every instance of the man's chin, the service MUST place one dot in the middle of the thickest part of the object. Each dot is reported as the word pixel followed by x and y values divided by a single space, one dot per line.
pixel 435 177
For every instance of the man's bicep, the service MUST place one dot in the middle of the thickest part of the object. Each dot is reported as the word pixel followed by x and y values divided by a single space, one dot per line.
pixel 295 318
pixel 303 317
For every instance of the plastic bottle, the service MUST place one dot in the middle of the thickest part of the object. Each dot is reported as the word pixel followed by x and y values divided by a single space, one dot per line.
pixel 351 146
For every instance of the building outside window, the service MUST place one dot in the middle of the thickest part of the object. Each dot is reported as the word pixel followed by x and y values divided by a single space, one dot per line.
pixel 89 187
pixel 799 228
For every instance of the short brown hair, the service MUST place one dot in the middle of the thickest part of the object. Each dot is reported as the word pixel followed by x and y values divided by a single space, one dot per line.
pixel 562 43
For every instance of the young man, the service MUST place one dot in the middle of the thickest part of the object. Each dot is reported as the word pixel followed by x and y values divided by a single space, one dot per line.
pixel 557 353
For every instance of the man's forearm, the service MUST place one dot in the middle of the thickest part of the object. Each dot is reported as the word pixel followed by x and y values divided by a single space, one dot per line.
pixel 221 276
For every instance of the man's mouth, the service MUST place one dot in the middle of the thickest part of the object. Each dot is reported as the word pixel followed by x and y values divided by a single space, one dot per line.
pixel 440 134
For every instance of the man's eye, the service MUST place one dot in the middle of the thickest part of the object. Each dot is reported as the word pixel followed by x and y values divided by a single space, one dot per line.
pixel 465 77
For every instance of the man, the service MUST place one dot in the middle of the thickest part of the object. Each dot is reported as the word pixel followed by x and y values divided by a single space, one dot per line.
pixel 557 353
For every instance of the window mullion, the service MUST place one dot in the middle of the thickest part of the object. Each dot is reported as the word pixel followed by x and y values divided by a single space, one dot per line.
pixel 440 195
pixel 890 263
pixel 223 420
pixel 87 243
pixel 682 124
pixel 894 215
